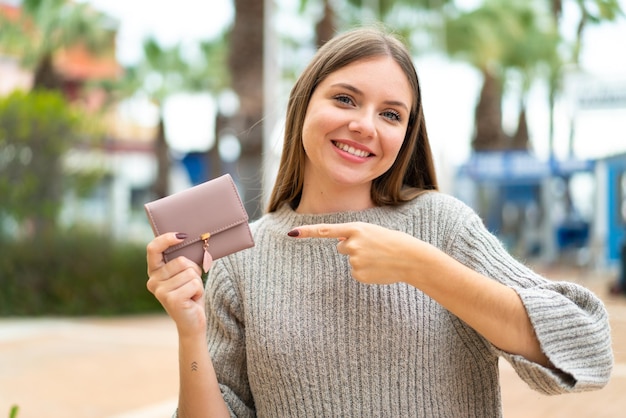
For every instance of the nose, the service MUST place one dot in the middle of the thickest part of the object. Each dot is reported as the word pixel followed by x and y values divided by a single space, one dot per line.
pixel 363 123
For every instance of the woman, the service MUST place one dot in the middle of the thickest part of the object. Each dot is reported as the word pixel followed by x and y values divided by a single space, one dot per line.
pixel 368 292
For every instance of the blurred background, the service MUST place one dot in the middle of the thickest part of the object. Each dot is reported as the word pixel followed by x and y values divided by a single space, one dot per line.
pixel 108 104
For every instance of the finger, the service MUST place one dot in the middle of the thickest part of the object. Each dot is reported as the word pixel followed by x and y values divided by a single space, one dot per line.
pixel 178 265
pixel 172 282
pixel 156 247
pixel 341 231
pixel 181 288
pixel 342 248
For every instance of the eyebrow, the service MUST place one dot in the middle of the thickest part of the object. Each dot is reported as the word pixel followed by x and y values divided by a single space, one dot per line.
pixel 359 92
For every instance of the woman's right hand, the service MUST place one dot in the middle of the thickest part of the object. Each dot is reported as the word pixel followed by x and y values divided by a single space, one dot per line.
pixel 177 285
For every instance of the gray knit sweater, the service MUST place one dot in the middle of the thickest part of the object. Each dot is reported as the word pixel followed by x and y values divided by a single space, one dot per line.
pixel 291 334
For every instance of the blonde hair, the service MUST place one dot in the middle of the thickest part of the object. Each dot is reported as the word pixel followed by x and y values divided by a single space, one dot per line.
pixel 411 174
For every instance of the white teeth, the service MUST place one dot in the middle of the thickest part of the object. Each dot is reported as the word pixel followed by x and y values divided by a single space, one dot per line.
pixel 351 150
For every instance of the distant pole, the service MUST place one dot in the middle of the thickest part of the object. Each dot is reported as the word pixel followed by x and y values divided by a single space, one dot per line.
pixel 271 106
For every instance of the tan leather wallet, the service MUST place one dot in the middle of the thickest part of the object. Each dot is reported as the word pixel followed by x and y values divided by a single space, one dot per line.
pixel 212 216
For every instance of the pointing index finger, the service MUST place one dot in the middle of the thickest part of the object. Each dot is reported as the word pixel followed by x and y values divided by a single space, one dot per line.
pixel 321 231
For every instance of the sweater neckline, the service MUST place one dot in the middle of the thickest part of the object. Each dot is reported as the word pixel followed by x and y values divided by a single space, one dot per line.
pixel 366 215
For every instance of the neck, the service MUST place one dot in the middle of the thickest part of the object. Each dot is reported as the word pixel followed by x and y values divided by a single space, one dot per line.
pixel 324 201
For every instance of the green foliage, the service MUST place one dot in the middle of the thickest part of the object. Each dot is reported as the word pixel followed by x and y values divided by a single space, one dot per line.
pixel 164 71
pixel 36 132
pixel 209 71
pixel 598 11
pixel 488 35
pixel 73 273
pixel 47 26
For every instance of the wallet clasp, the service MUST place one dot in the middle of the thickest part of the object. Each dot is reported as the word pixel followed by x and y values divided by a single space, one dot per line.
pixel 207 259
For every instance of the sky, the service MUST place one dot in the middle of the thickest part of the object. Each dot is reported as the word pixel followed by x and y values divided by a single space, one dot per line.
pixel 169 21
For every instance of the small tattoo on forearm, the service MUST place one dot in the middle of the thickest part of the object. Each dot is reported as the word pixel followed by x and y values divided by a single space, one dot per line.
pixel 194 366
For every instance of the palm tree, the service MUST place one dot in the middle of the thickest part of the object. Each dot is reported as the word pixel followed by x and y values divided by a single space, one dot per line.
pixel 209 74
pixel 46 28
pixel 245 62
pixel 495 38
pixel 39 35
pixel 477 37
pixel 533 54
pixel 156 77
pixel 325 27
pixel 591 11
pixel 163 72
pixel 385 11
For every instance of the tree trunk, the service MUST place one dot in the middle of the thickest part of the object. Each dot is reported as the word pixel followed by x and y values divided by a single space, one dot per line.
pixel 556 8
pixel 50 196
pixel 325 28
pixel 45 78
pixel 246 65
pixel 488 135
pixel 521 139
pixel 161 150
pixel 50 190
pixel 580 28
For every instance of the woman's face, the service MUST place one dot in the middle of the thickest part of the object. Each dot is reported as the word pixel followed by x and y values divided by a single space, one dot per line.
pixel 354 126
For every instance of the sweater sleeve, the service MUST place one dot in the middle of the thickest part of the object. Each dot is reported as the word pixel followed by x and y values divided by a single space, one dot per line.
pixel 226 340
pixel 571 323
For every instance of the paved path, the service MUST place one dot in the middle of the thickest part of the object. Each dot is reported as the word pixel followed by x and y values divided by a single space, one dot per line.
pixel 82 368
pixel 127 368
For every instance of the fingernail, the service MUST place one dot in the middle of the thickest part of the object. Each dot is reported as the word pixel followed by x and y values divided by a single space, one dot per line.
pixel 181 235
pixel 293 233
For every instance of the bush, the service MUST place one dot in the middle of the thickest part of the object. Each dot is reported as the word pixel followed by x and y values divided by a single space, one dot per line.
pixel 74 273
pixel 37 130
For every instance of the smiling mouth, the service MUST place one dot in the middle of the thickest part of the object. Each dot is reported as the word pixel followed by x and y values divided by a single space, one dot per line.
pixel 351 150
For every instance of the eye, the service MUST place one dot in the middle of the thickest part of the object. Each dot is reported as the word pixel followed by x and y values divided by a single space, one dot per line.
pixel 391 115
pixel 344 99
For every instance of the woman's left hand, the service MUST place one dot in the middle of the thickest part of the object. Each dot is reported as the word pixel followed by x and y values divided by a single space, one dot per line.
pixel 377 255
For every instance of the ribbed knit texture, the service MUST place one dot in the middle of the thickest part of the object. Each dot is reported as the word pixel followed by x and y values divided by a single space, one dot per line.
pixel 291 334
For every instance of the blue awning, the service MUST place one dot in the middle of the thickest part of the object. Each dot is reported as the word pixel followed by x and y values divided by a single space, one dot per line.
pixel 519 167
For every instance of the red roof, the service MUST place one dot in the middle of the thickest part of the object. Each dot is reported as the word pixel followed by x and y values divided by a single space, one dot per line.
pixel 77 63
pixel 11 12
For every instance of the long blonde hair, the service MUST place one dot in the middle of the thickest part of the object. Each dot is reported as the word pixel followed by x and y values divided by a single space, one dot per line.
pixel 411 174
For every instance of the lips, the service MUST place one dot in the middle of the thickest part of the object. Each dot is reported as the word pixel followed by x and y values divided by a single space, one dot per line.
pixel 351 150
